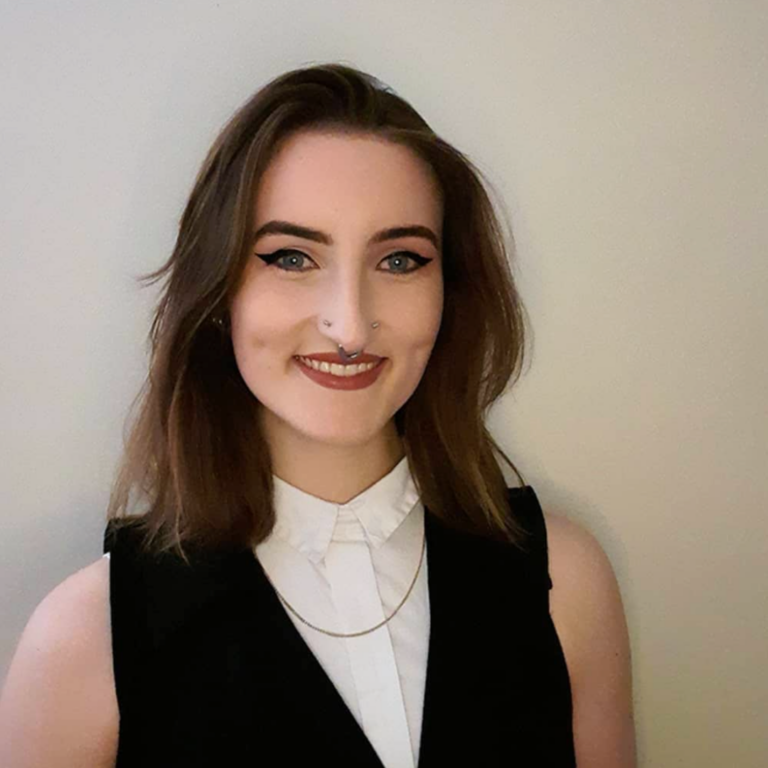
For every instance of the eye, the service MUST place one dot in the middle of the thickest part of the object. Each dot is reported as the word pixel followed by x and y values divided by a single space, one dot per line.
pixel 271 258
pixel 401 256
pixel 293 256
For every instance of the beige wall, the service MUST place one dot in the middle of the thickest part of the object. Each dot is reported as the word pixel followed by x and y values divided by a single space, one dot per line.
pixel 629 141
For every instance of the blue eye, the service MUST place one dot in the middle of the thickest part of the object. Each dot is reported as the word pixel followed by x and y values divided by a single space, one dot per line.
pixel 271 258
pixel 403 255
pixel 294 255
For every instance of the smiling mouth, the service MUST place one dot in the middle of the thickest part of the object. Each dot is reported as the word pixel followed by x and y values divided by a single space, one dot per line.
pixel 341 371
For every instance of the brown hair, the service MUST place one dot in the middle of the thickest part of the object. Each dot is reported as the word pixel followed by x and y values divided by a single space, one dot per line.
pixel 195 449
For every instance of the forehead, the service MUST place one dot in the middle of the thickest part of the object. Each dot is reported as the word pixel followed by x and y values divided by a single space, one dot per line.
pixel 324 174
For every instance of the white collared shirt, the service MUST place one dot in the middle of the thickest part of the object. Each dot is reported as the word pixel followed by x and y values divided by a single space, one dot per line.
pixel 345 568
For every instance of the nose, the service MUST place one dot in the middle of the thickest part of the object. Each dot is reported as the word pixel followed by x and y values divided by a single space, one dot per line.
pixel 347 314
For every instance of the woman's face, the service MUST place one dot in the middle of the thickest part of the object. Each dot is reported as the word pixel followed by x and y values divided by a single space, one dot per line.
pixel 349 189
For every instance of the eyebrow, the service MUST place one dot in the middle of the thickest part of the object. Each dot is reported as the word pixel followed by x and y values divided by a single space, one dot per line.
pixel 276 227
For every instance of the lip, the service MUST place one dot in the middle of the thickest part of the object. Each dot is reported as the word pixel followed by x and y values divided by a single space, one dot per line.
pixel 346 383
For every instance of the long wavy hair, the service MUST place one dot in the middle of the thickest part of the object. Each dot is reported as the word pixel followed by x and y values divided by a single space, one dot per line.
pixel 195 455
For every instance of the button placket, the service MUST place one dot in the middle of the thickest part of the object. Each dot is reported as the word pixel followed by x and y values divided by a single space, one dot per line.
pixel 356 596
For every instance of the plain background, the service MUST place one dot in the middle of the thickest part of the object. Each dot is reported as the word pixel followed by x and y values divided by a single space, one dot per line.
pixel 628 143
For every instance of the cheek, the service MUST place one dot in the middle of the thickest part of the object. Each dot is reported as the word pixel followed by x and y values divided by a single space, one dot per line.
pixel 258 315
pixel 420 317
pixel 255 328
pixel 418 324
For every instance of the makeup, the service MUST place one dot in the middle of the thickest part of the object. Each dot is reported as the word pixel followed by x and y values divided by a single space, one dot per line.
pixel 343 383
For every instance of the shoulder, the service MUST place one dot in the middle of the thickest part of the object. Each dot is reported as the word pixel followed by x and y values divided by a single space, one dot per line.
pixel 575 556
pixel 583 584
pixel 588 614
pixel 58 705
pixel 75 605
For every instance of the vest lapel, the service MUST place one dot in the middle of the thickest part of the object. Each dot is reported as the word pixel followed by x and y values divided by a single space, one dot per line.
pixel 463 666
pixel 445 603
pixel 302 689
pixel 497 689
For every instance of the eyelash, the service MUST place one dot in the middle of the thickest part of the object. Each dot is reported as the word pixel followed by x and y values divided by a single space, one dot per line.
pixel 271 258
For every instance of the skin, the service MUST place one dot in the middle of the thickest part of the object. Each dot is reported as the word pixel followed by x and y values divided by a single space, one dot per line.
pixel 334 444
pixel 58 707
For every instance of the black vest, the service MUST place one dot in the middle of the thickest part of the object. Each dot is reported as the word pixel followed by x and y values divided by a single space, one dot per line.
pixel 210 670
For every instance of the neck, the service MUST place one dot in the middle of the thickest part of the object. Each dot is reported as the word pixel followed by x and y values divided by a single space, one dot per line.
pixel 332 472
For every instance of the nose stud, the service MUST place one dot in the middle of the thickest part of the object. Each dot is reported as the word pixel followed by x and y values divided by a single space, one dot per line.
pixel 373 325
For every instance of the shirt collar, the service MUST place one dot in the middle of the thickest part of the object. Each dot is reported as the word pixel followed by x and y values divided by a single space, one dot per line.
pixel 307 522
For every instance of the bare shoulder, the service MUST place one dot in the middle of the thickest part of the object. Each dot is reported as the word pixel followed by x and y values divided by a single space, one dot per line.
pixel 58 705
pixel 588 614
pixel 575 556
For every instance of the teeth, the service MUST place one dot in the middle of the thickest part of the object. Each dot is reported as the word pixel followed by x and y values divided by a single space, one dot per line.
pixel 338 370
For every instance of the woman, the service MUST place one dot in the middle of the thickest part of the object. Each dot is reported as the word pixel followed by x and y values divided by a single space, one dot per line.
pixel 329 565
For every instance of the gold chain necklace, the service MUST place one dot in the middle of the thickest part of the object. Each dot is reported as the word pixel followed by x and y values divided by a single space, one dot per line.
pixel 365 631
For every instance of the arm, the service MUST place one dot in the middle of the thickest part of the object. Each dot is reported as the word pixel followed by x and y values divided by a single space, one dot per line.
pixel 587 610
pixel 58 707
